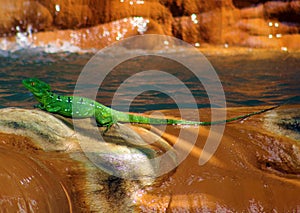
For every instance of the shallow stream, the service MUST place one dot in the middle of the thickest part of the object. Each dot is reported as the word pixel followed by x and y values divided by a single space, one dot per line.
pixel 251 79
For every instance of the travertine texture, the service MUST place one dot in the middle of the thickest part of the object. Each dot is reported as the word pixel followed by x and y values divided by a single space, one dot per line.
pixel 252 23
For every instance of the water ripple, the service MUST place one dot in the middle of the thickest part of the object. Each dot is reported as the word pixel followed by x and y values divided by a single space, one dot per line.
pixel 246 81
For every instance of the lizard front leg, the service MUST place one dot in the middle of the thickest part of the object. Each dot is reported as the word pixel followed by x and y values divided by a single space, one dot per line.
pixel 40 106
pixel 48 107
pixel 52 109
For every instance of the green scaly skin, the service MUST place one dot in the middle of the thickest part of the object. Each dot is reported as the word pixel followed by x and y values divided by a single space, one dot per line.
pixel 80 107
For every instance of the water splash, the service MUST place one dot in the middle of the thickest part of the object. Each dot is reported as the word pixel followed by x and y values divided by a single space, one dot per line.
pixel 72 40
pixel 140 23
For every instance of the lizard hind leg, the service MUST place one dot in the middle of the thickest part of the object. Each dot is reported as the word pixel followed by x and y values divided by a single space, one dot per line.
pixel 105 122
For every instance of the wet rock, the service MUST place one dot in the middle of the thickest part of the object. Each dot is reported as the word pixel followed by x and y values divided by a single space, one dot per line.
pixel 283 11
pixel 23 15
pixel 96 37
pixel 78 14
pixel 281 155
pixel 153 10
pixel 292 124
pixel 290 41
pixel 262 27
pixel 256 166
pixel 188 7
pixel 93 172
pixel 261 42
pixel 70 15
pixel 284 122
pixel 185 29
pixel 92 38
pixel 231 22
pixel 253 169
pixel 252 12
pixel 35 125
pixel 198 27
pixel 27 184
pixel 247 4
pixel 255 26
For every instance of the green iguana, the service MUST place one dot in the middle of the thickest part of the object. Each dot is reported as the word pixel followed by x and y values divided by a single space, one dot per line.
pixel 80 107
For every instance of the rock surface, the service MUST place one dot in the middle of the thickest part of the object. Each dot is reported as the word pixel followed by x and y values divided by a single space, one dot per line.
pixel 256 166
pixel 77 170
pixel 17 16
pixel 27 183
pixel 255 169
pixel 255 23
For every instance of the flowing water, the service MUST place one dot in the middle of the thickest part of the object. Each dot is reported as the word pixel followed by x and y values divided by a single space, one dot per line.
pixel 250 79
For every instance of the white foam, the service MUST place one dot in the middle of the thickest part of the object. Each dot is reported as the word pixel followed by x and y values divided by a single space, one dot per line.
pixel 114 31
pixel 23 42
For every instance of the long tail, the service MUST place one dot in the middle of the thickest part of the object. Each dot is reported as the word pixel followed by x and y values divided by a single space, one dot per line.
pixel 239 117
pixel 132 118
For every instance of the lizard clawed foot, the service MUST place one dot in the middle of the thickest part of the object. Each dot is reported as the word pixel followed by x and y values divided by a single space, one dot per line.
pixel 117 125
pixel 108 126
pixel 38 106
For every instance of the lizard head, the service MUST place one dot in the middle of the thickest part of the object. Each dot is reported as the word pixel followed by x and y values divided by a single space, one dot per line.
pixel 36 86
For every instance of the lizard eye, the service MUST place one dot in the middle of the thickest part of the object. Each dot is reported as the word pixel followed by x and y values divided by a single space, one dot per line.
pixel 32 83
